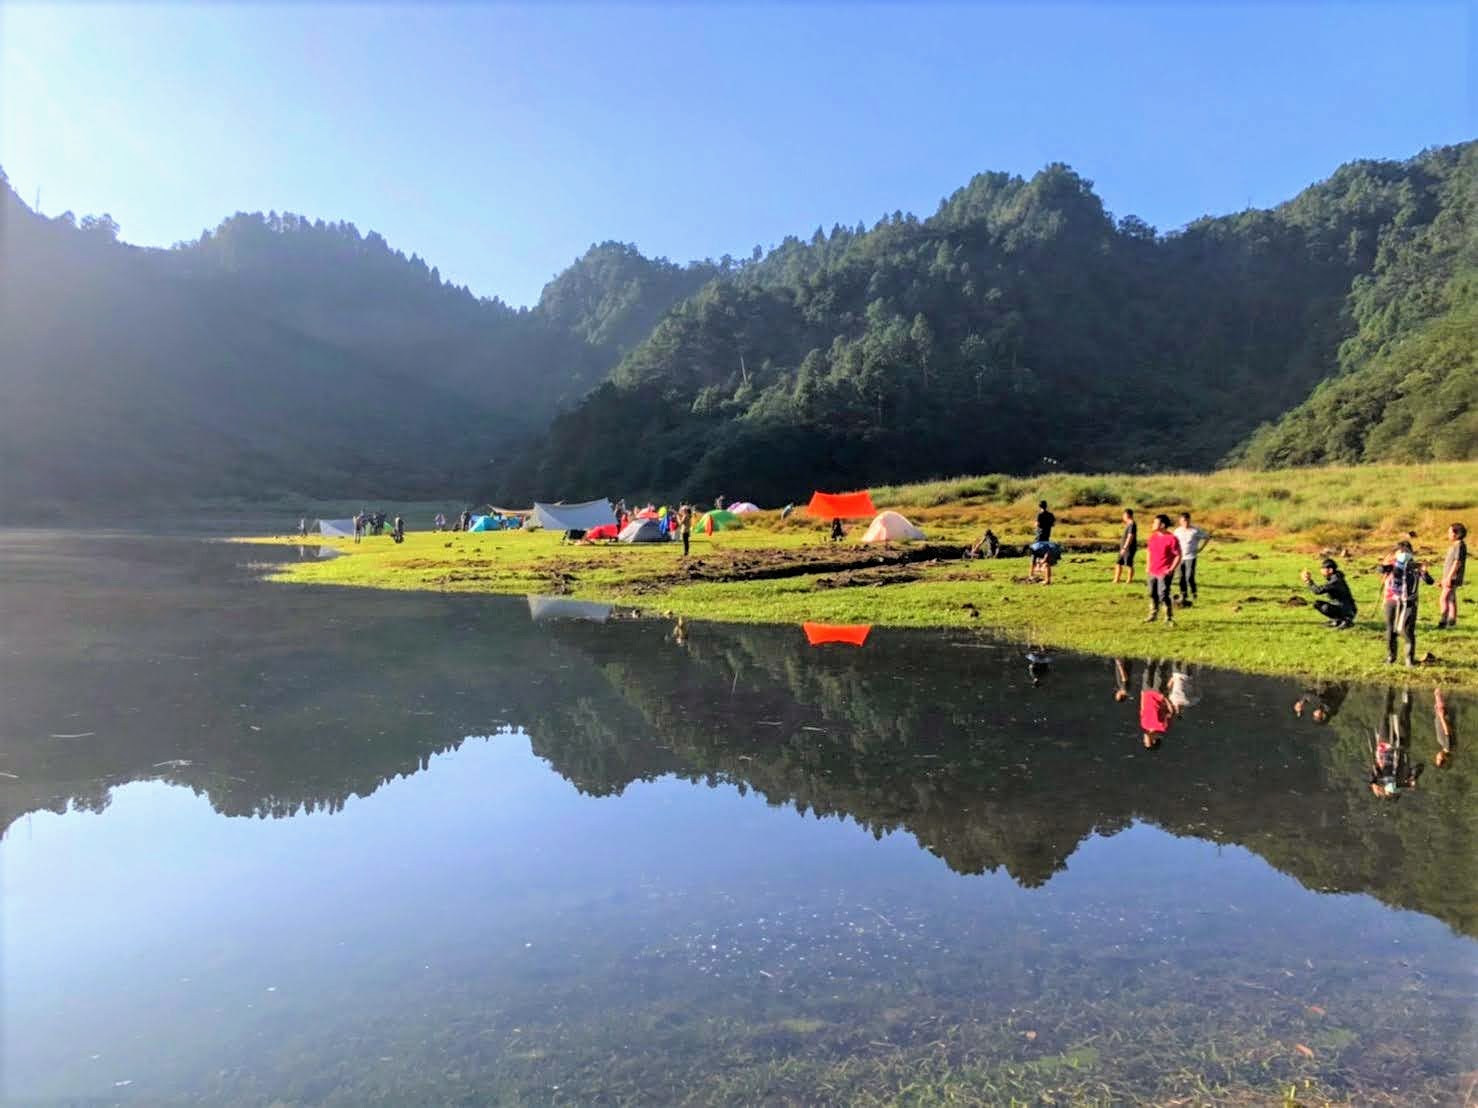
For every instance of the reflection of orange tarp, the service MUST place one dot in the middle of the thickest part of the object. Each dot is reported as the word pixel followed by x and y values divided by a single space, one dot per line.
pixel 842 505
pixel 853 634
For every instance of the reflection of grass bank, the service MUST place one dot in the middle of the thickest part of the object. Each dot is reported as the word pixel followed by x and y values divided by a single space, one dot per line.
pixel 1253 613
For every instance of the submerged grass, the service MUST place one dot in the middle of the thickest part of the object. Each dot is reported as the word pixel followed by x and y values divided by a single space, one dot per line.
pixel 1253 613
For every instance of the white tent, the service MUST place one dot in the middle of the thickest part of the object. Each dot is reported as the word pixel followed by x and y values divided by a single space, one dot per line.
pixel 642 530
pixel 743 508
pixel 892 527
pixel 336 528
pixel 560 607
pixel 574 517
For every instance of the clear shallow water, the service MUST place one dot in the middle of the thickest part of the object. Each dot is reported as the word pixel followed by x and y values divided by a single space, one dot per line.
pixel 324 846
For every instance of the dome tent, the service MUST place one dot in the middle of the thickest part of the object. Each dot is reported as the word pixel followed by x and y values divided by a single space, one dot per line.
pixel 643 530
pixel 892 527
pixel 717 520
pixel 744 507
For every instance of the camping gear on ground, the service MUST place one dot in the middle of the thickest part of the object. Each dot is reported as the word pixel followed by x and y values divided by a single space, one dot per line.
pixel 643 530
pixel 841 505
pixel 574 517
pixel 336 528
pixel 743 508
pixel 892 527
pixel 720 519
pixel 603 533
pixel 853 634
pixel 543 608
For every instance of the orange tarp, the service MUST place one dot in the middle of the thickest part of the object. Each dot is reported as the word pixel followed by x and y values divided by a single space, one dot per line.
pixel 854 634
pixel 842 505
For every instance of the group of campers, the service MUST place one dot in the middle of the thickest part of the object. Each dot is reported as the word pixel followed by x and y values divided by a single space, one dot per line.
pixel 373 523
pixel 1172 554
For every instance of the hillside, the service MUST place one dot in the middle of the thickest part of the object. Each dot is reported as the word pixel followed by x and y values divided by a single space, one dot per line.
pixel 1021 328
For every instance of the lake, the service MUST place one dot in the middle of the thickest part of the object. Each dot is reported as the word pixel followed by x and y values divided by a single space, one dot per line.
pixel 273 844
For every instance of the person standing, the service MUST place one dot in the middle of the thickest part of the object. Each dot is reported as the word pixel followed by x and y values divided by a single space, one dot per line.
pixel 1128 547
pixel 303 528
pixel 1339 606
pixel 1454 567
pixel 685 525
pixel 1162 559
pixel 1404 576
pixel 1192 541
pixel 1045 522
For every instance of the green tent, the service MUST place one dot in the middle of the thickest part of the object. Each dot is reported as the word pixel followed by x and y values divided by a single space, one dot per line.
pixel 719 519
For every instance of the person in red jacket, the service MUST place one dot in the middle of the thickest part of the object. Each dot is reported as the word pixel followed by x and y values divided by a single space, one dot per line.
pixel 1164 557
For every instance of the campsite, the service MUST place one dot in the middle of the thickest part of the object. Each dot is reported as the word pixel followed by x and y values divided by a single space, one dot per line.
pixel 775 566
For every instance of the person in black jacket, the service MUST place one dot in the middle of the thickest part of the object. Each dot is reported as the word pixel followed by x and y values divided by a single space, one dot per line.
pixel 1339 604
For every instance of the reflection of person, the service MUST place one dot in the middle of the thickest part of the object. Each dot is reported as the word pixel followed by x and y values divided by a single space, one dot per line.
pixel 1391 770
pixel 1038 663
pixel 1322 702
pixel 302 528
pixel 680 631
pixel 1123 675
pixel 1128 546
pixel 1156 713
pixel 1338 607
pixel 1404 577
pixel 1183 693
pixel 1445 722
pixel 1454 566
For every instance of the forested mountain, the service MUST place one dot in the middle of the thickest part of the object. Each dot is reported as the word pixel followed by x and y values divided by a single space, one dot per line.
pixel 1021 326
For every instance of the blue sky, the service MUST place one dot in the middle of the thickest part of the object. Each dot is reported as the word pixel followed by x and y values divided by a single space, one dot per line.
pixel 499 141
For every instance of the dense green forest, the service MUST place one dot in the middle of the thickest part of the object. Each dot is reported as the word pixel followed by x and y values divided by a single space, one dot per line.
pixel 1021 327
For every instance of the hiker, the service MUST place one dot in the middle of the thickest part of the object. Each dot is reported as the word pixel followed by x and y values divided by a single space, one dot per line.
pixel 466 519
pixel 302 528
pixel 439 523
pixel 718 502
pixel 1391 769
pixel 1044 556
pixel 836 529
pixel 1123 675
pixel 1156 712
pixel 1161 561
pixel 988 542
pixel 1192 541
pixel 1322 702
pixel 1453 568
pixel 1128 547
pixel 1340 608
pixel 397 531
pixel 685 524
pixel 1445 722
pixel 358 527
pixel 1045 522
pixel 1404 576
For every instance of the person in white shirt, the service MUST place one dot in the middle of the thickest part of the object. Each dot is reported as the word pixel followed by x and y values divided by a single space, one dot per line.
pixel 1192 541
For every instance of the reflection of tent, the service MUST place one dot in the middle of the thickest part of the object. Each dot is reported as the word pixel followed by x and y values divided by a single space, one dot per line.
pixel 604 531
pixel 336 528
pixel 643 530
pixel 841 505
pixel 892 527
pixel 717 520
pixel 559 607
pixel 743 508
pixel 574 517
pixel 854 634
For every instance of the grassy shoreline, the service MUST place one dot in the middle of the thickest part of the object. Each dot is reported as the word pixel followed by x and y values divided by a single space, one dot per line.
pixel 1252 614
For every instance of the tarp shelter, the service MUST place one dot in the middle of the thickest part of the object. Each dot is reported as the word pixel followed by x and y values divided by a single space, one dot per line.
pixel 574 517
pixel 561 607
pixel 336 528
pixel 643 530
pixel 603 532
pixel 841 505
pixel 717 520
pixel 743 508
pixel 853 634
pixel 892 527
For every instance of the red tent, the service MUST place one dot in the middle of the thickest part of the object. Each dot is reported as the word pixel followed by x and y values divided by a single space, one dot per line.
pixel 852 634
pixel 842 505
pixel 605 531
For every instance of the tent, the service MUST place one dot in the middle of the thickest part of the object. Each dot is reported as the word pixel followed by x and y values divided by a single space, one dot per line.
pixel 743 508
pixel 717 520
pixel 574 517
pixel 892 527
pixel 818 634
pixel 604 531
pixel 841 505
pixel 336 528
pixel 643 530
pixel 482 523
pixel 561 607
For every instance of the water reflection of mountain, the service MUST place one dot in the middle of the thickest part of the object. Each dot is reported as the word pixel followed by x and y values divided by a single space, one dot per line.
pixel 271 701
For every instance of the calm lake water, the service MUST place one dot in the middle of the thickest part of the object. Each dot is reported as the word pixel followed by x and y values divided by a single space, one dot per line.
pixel 271 844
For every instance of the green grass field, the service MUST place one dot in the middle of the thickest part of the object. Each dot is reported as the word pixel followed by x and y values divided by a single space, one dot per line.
pixel 1252 613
